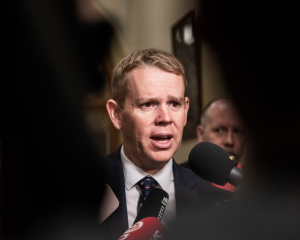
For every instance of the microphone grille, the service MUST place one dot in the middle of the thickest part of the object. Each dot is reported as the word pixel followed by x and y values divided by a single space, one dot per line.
pixel 211 162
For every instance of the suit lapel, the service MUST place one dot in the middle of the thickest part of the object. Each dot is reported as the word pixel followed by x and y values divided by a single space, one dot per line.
pixel 184 185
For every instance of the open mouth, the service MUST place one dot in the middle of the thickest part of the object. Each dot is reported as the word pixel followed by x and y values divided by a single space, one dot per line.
pixel 161 139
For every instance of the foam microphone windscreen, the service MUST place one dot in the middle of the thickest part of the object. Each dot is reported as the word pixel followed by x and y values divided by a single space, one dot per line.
pixel 211 162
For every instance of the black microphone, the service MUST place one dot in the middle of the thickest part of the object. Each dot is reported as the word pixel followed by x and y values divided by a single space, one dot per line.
pixel 147 223
pixel 214 164
pixel 154 205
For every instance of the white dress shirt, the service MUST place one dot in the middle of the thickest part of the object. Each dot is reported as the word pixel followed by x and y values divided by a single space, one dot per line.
pixel 165 180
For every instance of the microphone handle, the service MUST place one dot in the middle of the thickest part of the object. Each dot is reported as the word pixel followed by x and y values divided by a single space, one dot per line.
pixel 235 176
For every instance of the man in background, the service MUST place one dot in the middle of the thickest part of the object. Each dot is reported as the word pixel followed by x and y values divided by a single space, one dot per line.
pixel 221 124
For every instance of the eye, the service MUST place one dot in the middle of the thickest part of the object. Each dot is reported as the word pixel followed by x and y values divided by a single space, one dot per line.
pixel 220 130
pixel 217 130
pixel 175 104
pixel 147 105
pixel 238 131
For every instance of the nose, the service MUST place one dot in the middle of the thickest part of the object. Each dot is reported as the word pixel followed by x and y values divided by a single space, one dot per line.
pixel 163 116
pixel 228 140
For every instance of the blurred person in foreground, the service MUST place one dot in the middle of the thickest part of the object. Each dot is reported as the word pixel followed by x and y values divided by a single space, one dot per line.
pixel 52 185
pixel 260 72
pixel 221 124
pixel 149 106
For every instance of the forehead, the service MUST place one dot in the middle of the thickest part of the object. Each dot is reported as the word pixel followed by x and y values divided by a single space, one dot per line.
pixel 223 113
pixel 149 79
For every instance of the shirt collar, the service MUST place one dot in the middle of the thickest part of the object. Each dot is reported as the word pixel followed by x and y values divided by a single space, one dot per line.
pixel 133 174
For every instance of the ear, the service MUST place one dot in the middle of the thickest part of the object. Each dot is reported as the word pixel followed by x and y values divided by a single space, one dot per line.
pixel 187 106
pixel 200 133
pixel 113 110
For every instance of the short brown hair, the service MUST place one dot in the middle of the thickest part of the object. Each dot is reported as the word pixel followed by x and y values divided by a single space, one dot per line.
pixel 143 58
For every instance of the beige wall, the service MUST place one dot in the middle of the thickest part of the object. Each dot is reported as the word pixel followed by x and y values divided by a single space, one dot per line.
pixel 147 23
pixel 152 20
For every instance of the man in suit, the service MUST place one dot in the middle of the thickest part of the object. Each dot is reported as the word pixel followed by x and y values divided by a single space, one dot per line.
pixel 149 106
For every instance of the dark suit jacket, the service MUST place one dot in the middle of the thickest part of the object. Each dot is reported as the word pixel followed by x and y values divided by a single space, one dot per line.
pixel 187 184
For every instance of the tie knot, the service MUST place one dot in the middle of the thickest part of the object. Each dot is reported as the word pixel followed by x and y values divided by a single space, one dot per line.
pixel 146 184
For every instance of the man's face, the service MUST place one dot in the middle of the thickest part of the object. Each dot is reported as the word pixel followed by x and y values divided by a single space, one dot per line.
pixel 153 118
pixel 224 128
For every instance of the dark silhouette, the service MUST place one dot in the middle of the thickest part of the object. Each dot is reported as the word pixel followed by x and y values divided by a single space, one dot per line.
pixel 255 42
pixel 51 186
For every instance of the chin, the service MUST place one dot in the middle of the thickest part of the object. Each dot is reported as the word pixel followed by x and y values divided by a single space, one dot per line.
pixel 162 158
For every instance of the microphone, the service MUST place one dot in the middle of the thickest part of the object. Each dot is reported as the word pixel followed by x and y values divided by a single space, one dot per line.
pixel 147 228
pixel 147 223
pixel 214 164
pixel 154 205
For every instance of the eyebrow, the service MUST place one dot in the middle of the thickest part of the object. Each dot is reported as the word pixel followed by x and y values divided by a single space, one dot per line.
pixel 170 98
pixel 176 99
pixel 143 100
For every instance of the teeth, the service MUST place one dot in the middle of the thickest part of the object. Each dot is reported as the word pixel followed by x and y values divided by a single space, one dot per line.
pixel 163 141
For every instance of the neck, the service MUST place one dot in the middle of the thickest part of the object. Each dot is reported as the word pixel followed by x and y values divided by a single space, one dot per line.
pixel 151 170
pixel 151 166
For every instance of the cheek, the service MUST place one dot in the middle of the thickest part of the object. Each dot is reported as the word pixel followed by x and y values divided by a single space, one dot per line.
pixel 218 142
pixel 134 125
pixel 128 124
pixel 215 139
pixel 211 137
pixel 240 144
pixel 180 120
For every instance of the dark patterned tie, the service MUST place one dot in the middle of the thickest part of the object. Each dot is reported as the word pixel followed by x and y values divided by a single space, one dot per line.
pixel 146 184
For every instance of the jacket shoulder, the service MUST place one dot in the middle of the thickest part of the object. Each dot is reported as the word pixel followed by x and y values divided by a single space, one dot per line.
pixel 189 175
